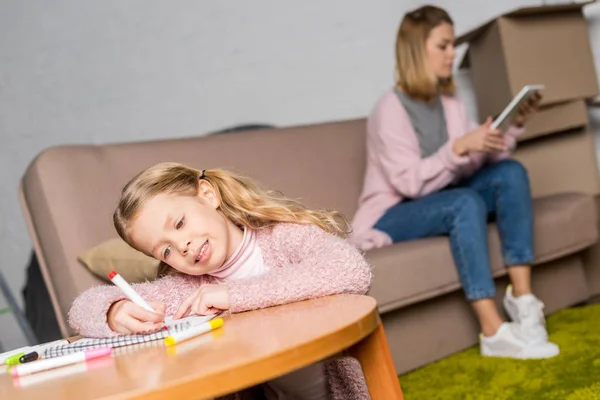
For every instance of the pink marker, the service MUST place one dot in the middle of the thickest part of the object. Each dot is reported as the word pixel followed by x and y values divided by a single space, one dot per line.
pixel 128 290
pixel 50 363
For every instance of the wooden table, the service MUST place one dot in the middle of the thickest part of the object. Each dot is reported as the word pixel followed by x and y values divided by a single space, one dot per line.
pixel 250 348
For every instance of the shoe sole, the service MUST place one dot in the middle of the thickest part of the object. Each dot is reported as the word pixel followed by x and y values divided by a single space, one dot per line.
pixel 519 356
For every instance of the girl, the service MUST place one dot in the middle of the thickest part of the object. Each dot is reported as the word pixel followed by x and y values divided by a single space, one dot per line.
pixel 228 245
pixel 431 172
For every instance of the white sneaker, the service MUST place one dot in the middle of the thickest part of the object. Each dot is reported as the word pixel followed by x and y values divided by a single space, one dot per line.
pixel 509 341
pixel 527 311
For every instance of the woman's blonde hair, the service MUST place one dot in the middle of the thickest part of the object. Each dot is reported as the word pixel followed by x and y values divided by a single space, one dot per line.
pixel 413 72
pixel 240 199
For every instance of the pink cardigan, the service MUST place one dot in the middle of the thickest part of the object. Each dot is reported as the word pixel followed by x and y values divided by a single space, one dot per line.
pixel 304 261
pixel 396 170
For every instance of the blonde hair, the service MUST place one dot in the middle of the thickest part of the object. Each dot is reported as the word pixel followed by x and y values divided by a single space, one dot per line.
pixel 413 72
pixel 240 200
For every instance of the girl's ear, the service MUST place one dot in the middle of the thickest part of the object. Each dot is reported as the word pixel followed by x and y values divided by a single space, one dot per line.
pixel 207 192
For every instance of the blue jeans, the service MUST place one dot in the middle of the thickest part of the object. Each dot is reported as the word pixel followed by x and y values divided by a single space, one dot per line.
pixel 499 191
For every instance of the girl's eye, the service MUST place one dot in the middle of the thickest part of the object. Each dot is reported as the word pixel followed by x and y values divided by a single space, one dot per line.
pixel 166 252
pixel 442 47
pixel 179 224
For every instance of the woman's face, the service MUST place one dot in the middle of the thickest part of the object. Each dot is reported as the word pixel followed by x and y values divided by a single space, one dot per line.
pixel 439 47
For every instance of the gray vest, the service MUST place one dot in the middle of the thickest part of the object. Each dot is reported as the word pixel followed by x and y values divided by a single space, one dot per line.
pixel 428 121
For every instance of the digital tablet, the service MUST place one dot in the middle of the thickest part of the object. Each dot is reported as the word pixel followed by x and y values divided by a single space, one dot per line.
pixel 513 107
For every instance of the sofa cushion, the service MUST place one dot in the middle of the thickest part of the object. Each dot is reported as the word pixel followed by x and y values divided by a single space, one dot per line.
pixel 116 255
pixel 409 272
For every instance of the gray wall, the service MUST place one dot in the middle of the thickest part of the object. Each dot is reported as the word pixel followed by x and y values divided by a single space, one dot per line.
pixel 125 70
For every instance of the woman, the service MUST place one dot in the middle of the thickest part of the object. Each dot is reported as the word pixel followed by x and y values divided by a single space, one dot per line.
pixel 432 172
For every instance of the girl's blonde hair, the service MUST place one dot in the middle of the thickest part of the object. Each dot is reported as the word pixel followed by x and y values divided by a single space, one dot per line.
pixel 413 72
pixel 241 200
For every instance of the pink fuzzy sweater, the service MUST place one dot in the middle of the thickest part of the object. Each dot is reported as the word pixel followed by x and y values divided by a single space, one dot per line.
pixel 304 262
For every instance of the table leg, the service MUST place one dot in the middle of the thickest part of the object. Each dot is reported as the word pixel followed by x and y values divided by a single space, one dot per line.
pixel 374 356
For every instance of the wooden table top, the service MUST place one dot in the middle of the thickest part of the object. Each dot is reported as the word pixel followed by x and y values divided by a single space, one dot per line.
pixel 250 348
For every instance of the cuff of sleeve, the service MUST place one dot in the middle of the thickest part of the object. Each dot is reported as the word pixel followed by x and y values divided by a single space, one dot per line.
pixel 515 131
pixel 104 329
pixel 237 301
pixel 450 159
pixel 511 143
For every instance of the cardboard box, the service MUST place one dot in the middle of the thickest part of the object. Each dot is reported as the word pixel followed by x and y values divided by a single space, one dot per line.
pixel 563 162
pixel 556 118
pixel 534 45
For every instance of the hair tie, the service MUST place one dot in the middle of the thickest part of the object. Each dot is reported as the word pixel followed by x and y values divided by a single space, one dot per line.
pixel 203 176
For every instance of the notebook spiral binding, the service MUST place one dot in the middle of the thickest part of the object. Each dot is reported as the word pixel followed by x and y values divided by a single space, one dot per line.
pixel 117 342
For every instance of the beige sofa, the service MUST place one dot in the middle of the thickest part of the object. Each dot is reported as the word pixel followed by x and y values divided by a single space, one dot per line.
pixel 68 195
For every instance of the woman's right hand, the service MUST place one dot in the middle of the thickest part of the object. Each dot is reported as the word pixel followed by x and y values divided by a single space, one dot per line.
pixel 126 317
pixel 484 138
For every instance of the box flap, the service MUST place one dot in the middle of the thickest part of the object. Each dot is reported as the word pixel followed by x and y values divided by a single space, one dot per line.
pixel 470 35
pixel 549 9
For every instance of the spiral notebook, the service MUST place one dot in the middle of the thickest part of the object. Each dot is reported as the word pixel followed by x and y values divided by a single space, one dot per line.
pixel 149 340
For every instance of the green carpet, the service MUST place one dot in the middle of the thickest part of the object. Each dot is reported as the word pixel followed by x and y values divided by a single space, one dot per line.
pixel 572 375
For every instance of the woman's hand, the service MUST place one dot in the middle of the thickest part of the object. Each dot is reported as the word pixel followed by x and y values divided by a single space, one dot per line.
pixel 207 300
pixel 483 138
pixel 126 317
pixel 527 109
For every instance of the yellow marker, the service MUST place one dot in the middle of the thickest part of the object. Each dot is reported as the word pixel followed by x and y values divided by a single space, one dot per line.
pixel 14 359
pixel 193 344
pixel 178 337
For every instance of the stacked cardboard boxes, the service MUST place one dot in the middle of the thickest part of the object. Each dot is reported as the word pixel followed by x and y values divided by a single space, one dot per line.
pixel 547 45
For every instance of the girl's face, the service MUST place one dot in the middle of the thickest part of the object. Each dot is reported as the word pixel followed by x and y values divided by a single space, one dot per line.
pixel 439 47
pixel 188 233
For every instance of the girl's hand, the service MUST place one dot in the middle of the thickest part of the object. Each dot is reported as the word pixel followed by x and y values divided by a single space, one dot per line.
pixel 483 138
pixel 526 109
pixel 126 317
pixel 207 300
